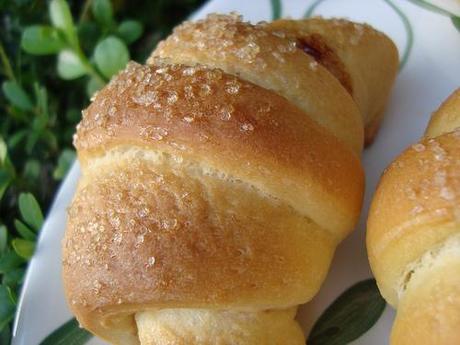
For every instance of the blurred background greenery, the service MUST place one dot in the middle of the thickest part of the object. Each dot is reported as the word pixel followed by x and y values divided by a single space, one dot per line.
pixel 53 56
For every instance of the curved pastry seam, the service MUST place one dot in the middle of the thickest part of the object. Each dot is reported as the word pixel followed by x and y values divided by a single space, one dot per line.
pixel 424 219
pixel 164 60
pixel 192 168
pixel 427 262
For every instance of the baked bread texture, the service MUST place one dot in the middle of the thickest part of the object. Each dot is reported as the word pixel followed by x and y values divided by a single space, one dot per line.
pixel 413 236
pixel 292 56
pixel 214 191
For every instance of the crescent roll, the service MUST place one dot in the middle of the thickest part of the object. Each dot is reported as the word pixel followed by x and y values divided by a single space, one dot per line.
pixel 413 236
pixel 217 181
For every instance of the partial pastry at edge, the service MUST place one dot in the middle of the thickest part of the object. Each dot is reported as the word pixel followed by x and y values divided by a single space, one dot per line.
pixel 210 204
pixel 413 234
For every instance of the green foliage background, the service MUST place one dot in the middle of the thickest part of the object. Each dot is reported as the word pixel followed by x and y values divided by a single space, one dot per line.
pixel 53 55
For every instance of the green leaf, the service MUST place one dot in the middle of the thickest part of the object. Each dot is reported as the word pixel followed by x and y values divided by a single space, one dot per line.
pixel 9 261
pixel 32 170
pixel 73 115
pixel 9 167
pixel 41 40
pixel 12 295
pixel 50 138
pixel 32 139
pixel 68 334
pixel 23 248
pixel 130 30
pixel 102 12
pixel 17 137
pixel 5 176
pixel 24 230
pixel 30 211
pixel 435 7
pixel 41 95
pixel 61 17
pixel 7 307
pixel 349 316
pixel 39 122
pixel 94 84
pixel 16 95
pixel 64 162
pixel 276 9
pixel 3 151
pixel 456 22
pixel 14 278
pixel 70 65
pixel 111 55
pixel 3 238
pixel 5 335
pixel 5 181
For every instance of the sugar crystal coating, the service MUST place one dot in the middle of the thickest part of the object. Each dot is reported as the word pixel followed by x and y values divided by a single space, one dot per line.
pixel 418 147
pixel 156 108
pixel 224 36
pixel 151 261
pixel 245 127
pixel 148 87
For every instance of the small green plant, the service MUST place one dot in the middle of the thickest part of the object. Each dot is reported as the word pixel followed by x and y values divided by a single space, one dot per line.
pixel 109 55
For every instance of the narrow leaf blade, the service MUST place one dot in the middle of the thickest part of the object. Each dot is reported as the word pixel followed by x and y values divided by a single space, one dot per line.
pixel 23 248
pixel 9 261
pixel 5 180
pixel 16 138
pixel 61 17
pixel 68 334
pixel 3 238
pixel 64 162
pixel 24 230
pixel 30 210
pixel 456 22
pixel 16 95
pixel 353 313
pixel 6 307
pixel 14 277
pixel 3 151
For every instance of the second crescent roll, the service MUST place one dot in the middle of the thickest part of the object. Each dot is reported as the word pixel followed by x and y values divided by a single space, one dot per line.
pixel 413 234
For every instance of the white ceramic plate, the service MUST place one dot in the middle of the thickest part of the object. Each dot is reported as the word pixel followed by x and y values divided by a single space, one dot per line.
pixel 431 73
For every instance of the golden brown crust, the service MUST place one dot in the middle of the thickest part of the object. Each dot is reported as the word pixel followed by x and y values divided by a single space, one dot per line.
pixel 446 118
pixel 415 207
pixel 213 194
pixel 223 121
pixel 413 234
pixel 162 234
pixel 357 55
pixel 185 169
pixel 430 313
pixel 270 60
